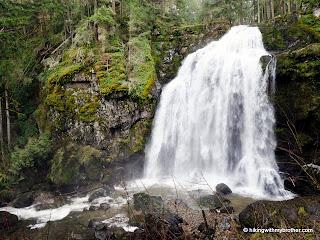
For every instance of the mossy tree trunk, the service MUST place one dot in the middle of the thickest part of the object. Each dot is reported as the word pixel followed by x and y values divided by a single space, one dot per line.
pixel 3 154
pixel 8 117
pixel 96 34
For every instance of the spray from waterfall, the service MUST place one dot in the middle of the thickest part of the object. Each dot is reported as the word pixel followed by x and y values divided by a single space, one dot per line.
pixel 215 119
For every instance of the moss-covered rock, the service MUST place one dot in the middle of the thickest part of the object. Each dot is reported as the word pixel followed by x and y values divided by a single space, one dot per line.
pixel 75 165
pixel 296 213
pixel 290 32
pixel 171 46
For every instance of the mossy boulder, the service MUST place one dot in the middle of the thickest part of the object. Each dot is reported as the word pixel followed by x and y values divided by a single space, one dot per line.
pixel 75 164
pixel 300 212
pixel 147 203
pixel 23 200
pixel 213 201
pixel 7 196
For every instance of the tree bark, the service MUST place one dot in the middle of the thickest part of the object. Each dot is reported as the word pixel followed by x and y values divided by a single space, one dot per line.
pixel 164 8
pixel 284 7
pixel 289 7
pixel 259 20
pixel 96 34
pixel 254 11
pixel 268 11
pixel 114 6
pixel 8 117
pixel 3 154
pixel 240 13
pixel 272 9
pixel 121 8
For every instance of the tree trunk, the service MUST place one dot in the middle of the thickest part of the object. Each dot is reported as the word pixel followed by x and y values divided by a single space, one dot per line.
pixel 164 8
pixel 114 6
pixel 296 3
pixel 289 7
pixel 3 153
pixel 254 11
pixel 8 117
pixel 82 12
pixel 272 9
pixel 240 13
pixel 96 34
pixel 121 8
pixel 268 10
pixel 259 20
pixel 69 16
pixel 284 7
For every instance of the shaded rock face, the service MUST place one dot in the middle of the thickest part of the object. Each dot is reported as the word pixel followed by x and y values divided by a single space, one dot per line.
pixel 23 200
pixel 175 45
pixel 295 40
pixel 113 124
pixel 296 213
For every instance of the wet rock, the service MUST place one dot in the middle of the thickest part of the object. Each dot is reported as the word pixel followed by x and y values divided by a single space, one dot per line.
pixel 102 235
pixel 223 189
pixel 108 189
pixel 105 206
pixel 45 200
pixel 93 208
pixel 6 196
pixel 100 226
pixel 8 221
pixel 227 210
pixel 213 201
pixel 97 194
pixel 147 203
pixel 298 212
pixel 23 200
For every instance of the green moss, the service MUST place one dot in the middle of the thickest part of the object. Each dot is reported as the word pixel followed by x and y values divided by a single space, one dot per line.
pixel 301 65
pixel 88 111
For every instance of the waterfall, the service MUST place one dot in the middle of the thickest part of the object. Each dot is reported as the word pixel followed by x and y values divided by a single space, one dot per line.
pixel 215 119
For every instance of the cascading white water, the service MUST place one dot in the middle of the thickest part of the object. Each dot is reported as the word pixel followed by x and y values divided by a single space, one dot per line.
pixel 215 119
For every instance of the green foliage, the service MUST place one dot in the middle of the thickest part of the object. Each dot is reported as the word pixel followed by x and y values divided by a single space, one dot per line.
pixel 32 156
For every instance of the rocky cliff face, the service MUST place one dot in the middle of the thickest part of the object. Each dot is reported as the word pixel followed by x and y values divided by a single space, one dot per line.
pixel 96 119
pixel 294 39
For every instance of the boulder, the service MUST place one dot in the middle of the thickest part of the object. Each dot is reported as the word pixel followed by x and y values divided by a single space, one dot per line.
pixel 7 196
pixel 223 189
pixel 300 212
pixel 105 206
pixel 213 201
pixel 228 209
pixel 45 200
pixel 23 200
pixel 147 203
pixel 8 221
pixel 97 194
